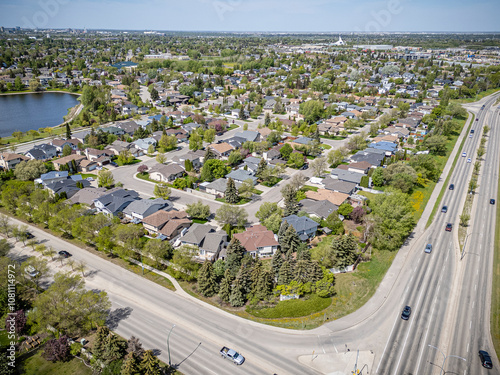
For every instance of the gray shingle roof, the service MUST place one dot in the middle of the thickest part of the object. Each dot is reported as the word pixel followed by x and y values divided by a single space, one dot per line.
pixel 349 176
pixel 196 233
pixel 146 207
pixel 301 223
pixel 319 208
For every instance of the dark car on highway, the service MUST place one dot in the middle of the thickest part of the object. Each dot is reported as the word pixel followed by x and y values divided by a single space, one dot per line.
pixel 452 187
pixel 492 201
pixel 64 254
pixel 444 209
pixel 485 359
pixel 449 227
pixel 405 315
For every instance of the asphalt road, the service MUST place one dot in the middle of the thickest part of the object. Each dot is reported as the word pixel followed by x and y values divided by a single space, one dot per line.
pixel 440 291
pixel 436 285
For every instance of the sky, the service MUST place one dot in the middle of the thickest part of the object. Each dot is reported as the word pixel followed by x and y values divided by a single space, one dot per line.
pixel 255 15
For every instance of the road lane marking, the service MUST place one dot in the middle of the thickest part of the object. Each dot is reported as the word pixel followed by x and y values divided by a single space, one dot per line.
pixel 470 325
pixel 389 339
pixel 426 333
pixel 473 302
pixel 468 347
pixel 336 351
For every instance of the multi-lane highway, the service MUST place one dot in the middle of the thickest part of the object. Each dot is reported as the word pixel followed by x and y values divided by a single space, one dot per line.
pixel 449 299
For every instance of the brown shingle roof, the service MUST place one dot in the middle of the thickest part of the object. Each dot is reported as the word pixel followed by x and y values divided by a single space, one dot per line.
pixel 256 236
pixel 160 218
pixel 332 196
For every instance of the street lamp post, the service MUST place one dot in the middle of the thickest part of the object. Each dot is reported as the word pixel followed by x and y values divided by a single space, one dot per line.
pixel 465 243
pixel 168 345
pixel 446 357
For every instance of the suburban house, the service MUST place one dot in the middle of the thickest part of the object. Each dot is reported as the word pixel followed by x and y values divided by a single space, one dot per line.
pixel 128 126
pixel 118 146
pixel 222 150
pixel 370 155
pixel 181 134
pixel 60 143
pixel 9 160
pixel 196 158
pixel 68 187
pixel 43 151
pixel 217 187
pixel 67 160
pixel 359 167
pixel 88 165
pixel 88 195
pixel 166 224
pixel 323 194
pixel 198 234
pixel 240 175
pixel 320 209
pixel 344 175
pixel 52 176
pixel 166 173
pixel 115 201
pixel 339 185
pixel 258 241
pixel 249 135
pixel 250 164
pixel 305 227
pixel 101 157
pixel 140 208
pixel 144 143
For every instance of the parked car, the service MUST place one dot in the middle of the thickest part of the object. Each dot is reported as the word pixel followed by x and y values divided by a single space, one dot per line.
pixel 405 315
pixel 428 248
pixel 492 201
pixel 485 359
pixel 452 187
pixel 113 164
pixel 90 178
pixel 305 166
pixel 64 254
pixel 444 209
pixel 449 227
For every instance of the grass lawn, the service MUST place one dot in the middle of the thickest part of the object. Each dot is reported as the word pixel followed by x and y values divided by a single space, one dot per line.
pixel 310 157
pixel 232 126
pixel 293 308
pixel 257 191
pixel 324 146
pixel 135 161
pixel 334 137
pixel 35 364
pixel 242 201
pixel 200 221
pixel 308 188
pixel 476 98
pixel 272 182
pixel 85 175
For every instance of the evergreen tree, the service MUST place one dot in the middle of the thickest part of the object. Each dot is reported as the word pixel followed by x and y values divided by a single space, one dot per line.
pixel 231 193
pixel 242 113
pixel 236 299
pixel 264 285
pixel 281 233
pixel 115 348
pixel 244 279
pixel 285 274
pixel 150 364
pixel 101 339
pixel 209 154
pixel 344 248
pixel 300 271
pixel 261 168
pixel 68 131
pixel 267 119
pixel 135 346
pixel 207 283
pixel 290 242
pixel 131 365
pixel 303 252
pixel 188 164
pixel 255 275
pixel 276 264
pixel 234 255
pixel 315 272
pixel 225 286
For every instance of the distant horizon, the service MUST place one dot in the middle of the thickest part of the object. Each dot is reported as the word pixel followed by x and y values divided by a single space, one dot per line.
pixel 279 16
pixel 260 31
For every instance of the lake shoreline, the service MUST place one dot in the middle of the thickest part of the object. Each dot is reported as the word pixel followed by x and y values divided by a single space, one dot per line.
pixel 39 92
